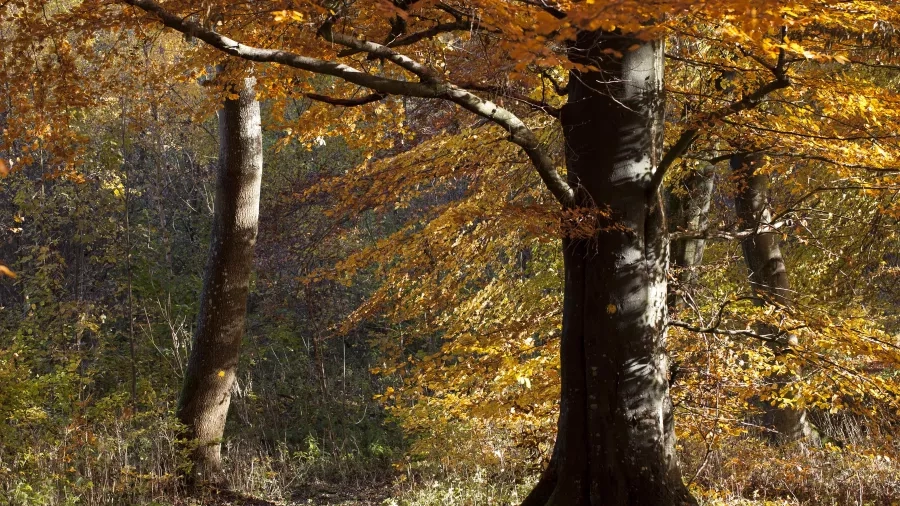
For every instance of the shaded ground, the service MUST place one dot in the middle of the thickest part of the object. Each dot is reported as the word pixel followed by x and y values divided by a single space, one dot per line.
pixel 324 494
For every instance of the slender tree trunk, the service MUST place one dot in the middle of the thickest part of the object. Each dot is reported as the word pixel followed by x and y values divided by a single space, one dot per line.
pixel 688 210
pixel 615 443
pixel 206 392
pixel 768 276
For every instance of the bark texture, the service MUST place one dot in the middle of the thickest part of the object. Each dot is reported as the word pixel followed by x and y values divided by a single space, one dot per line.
pixel 206 392
pixel 688 206
pixel 615 443
pixel 768 276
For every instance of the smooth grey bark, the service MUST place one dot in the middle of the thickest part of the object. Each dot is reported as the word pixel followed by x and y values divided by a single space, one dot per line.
pixel 615 442
pixel 688 211
pixel 768 276
pixel 206 392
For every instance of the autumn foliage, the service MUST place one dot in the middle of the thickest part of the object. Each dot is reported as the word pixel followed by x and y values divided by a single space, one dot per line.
pixel 410 270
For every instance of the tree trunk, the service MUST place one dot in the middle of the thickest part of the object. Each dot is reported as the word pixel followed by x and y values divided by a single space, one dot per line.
pixel 615 443
pixel 206 391
pixel 768 276
pixel 688 211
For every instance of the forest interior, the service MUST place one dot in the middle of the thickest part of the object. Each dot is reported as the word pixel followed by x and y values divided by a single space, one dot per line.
pixel 449 252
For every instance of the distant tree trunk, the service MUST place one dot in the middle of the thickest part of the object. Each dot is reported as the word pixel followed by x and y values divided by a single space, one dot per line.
pixel 768 275
pixel 616 443
pixel 206 392
pixel 688 210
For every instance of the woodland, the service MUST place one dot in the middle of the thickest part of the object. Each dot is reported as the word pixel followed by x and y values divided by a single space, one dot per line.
pixel 449 252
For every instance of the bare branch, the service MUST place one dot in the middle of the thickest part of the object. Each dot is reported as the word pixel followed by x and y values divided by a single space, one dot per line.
pixel 769 338
pixel 347 102
pixel 728 235
pixel 426 74
pixel 690 135
pixel 315 65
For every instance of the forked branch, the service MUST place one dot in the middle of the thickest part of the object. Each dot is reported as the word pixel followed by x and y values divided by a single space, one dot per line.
pixel 430 85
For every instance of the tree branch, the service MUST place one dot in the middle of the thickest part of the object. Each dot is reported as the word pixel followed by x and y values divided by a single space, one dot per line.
pixel 431 85
pixel 769 338
pixel 727 235
pixel 347 102
pixel 779 70
pixel 412 38
pixel 544 6
pixel 505 92
pixel 327 32
pixel 559 89
pixel 690 135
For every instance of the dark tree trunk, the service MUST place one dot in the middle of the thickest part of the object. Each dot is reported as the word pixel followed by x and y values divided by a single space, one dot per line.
pixel 615 443
pixel 206 392
pixel 767 274
pixel 688 211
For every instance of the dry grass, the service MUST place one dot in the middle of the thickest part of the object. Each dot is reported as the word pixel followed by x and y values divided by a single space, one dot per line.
pixel 135 461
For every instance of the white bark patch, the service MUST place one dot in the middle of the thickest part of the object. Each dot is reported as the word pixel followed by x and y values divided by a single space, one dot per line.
pixel 638 367
pixel 656 300
pixel 642 71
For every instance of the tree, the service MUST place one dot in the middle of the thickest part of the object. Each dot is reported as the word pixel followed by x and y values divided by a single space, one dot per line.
pixel 615 391
pixel 687 205
pixel 206 392
pixel 767 275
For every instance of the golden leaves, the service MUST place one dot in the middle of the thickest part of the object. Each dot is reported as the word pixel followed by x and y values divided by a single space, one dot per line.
pixel 282 16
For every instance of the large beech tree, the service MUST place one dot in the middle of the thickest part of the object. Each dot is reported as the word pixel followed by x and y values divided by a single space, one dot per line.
pixel 615 442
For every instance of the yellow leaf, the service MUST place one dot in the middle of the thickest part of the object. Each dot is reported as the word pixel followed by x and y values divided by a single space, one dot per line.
pixel 221 374
pixel 4 271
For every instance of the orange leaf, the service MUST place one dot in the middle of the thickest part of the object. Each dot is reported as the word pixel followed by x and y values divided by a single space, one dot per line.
pixel 4 168
pixel 4 271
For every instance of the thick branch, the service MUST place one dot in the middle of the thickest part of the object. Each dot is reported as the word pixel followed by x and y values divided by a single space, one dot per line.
pixel 347 102
pixel 426 74
pixel 519 134
pixel 412 38
pixel 498 90
pixel 315 65
pixel 750 101
pixel 430 86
